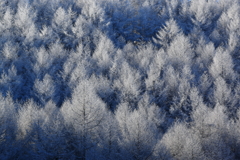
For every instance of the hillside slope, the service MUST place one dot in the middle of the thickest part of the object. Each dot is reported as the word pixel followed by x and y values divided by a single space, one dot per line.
pixel 119 79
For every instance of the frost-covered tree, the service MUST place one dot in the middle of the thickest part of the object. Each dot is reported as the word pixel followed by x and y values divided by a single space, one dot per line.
pixel 139 129
pixel 217 121
pixel 43 62
pixel 167 34
pixel 8 128
pixel 85 113
pixel 10 82
pixel 180 52
pixel 44 89
pixel 103 55
pixel 128 84
pixel 6 21
pixel 222 65
pixel 109 137
pixel 205 53
pixel 201 12
pixel 24 22
pixel 9 55
pixel 61 20
pixel 182 143
pixel 54 133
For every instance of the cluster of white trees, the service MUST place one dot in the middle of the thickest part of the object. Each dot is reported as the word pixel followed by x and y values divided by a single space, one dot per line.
pixel 120 79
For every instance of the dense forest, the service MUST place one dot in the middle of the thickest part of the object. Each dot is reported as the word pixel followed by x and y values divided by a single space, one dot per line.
pixel 119 79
